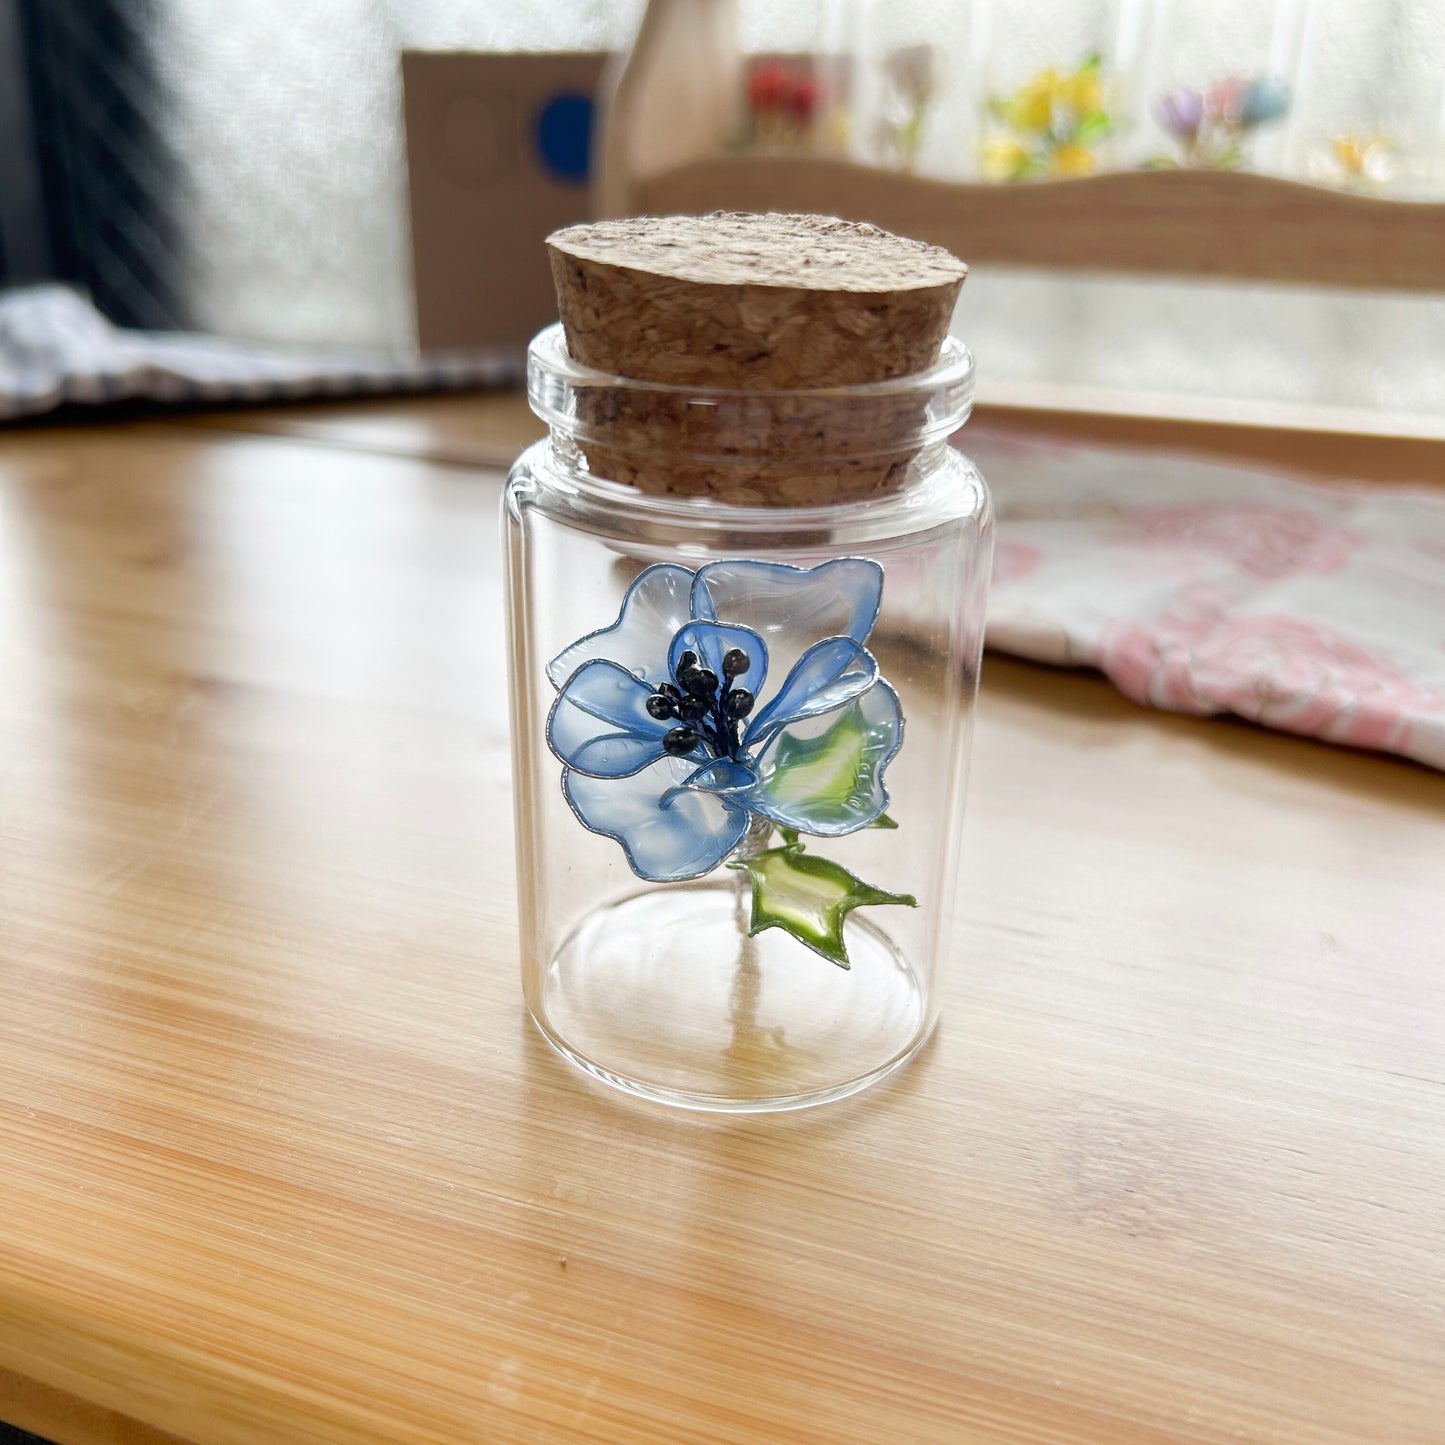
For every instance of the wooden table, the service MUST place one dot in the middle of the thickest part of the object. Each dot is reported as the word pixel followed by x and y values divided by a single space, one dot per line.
pixel 285 1162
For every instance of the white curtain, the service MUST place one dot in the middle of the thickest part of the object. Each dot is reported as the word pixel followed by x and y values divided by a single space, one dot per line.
pixel 285 118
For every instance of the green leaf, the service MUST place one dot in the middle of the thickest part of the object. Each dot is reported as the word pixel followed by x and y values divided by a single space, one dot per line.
pixel 809 898
pixel 1092 128
pixel 832 782
pixel 790 835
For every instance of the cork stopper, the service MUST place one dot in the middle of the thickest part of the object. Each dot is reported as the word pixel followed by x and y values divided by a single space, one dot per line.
pixel 768 303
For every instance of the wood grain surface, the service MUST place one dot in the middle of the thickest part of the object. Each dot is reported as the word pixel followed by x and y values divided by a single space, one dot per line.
pixel 1331 442
pixel 1150 222
pixel 285 1162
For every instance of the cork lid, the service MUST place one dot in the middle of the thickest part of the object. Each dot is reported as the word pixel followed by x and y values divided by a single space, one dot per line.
pixel 741 302
pixel 735 248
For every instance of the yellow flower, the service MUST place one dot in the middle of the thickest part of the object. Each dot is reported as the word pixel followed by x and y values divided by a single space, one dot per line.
pixel 1033 105
pixel 1082 92
pixel 1071 160
pixel 1002 159
pixel 1365 159
pixel 1352 151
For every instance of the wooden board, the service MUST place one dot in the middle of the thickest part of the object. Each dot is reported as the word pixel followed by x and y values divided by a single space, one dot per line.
pixel 1228 224
pixel 477 430
pixel 284 1160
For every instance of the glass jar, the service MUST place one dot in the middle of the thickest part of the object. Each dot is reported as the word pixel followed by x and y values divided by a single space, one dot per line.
pixel 740 731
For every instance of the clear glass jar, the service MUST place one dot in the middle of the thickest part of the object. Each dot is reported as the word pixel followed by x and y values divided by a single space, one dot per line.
pixel 740 731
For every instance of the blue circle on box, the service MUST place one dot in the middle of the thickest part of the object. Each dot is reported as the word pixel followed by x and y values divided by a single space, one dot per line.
pixel 564 136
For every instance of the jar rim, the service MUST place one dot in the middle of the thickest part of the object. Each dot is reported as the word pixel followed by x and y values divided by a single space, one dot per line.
pixel 780 448
pixel 931 491
pixel 549 359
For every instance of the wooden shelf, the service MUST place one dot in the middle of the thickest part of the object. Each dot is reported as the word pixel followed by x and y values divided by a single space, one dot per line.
pixel 1227 224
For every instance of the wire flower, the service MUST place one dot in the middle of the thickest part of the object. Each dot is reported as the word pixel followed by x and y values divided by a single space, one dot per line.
pixel 679 741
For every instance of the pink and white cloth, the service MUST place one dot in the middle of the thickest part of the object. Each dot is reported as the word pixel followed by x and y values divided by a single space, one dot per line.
pixel 1207 587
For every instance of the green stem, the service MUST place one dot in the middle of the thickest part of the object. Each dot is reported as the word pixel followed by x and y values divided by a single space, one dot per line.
pixel 754 842
pixel 748 979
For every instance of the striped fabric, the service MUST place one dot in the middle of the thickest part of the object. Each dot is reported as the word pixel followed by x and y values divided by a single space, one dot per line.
pixel 56 348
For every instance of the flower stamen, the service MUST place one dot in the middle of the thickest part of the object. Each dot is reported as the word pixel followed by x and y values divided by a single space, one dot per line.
pixel 709 709
pixel 680 742
pixel 737 704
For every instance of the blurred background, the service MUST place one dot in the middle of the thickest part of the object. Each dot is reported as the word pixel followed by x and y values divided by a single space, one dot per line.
pixel 241 170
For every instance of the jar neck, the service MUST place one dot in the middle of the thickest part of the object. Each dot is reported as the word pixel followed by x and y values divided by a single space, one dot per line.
pixel 749 447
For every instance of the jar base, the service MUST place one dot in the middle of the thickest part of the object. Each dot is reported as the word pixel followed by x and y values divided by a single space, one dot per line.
pixel 663 996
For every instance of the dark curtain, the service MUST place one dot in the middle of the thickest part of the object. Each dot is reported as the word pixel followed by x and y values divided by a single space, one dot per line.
pixel 97 193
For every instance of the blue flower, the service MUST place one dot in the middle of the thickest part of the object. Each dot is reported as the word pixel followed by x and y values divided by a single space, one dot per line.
pixel 672 742
pixel 1264 100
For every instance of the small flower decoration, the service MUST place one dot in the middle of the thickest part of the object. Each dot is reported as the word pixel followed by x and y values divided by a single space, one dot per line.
pixel 1364 161
pixel 1211 127
pixel 1051 126
pixel 722 704
pixel 1181 113
pixel 783 101
pixel 909 82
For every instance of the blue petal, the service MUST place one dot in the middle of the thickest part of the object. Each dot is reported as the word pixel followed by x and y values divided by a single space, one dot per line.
pixel 839 598
pixel 600 723
pixel 668 831
pixel 712 641
pixel 656 605
pixel 723 775
pixel 826 676
pixel 824 775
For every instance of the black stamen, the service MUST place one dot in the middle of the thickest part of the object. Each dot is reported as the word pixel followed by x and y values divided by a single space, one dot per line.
pixel 692 709
pixel 669 691
pixel 736 663
pixel 738 703
pixel 680 741
pixel 660 707
pixel 687 662
pixel 702 683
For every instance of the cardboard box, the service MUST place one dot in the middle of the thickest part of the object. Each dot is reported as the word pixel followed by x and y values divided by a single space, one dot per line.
pixel 498 149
